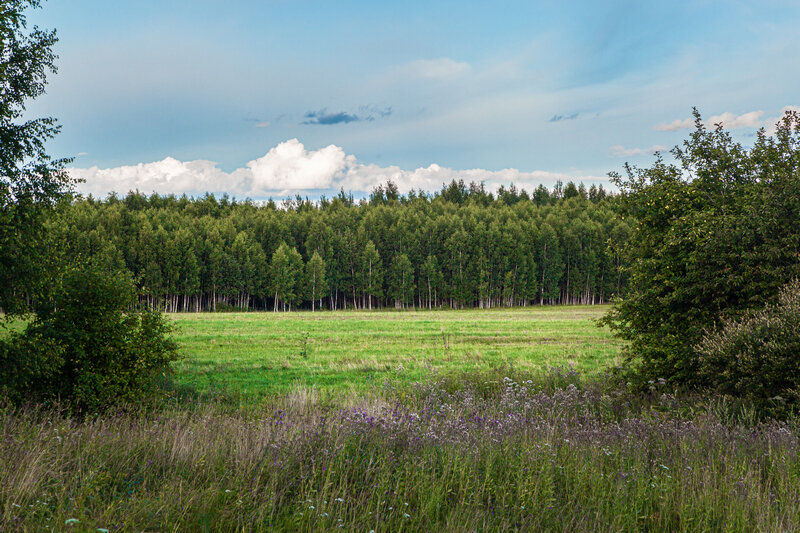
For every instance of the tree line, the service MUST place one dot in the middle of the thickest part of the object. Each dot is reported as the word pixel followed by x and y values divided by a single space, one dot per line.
pixel 460 247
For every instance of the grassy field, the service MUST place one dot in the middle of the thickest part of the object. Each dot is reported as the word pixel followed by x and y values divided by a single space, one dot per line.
pixel 264 353
pixel 530 449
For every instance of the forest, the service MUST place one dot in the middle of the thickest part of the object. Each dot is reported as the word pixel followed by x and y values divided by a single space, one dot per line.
pixel 460 247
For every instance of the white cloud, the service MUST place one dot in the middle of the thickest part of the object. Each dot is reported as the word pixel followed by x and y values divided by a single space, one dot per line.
pixel 675 125
pixel 621 151
pixel 771 124
pixel 728 120
pixel 432 177
pixel 289 168
pixel 262 125
pixel 168 176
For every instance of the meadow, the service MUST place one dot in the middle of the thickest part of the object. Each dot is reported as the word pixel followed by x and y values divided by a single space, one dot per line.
pixel 345 352
pixel 401 421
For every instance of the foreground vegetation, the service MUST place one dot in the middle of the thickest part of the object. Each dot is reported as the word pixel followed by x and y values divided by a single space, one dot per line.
pixel 482 453
pixel 256 354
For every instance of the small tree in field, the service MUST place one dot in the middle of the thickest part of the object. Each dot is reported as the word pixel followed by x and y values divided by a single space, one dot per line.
pixel 93 347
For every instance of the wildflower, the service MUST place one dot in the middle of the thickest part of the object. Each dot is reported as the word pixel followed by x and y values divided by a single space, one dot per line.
pixel 71 521
pixel 406 515
pixel 311 507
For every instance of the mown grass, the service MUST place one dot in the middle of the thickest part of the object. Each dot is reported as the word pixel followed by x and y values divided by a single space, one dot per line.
pixel 258 354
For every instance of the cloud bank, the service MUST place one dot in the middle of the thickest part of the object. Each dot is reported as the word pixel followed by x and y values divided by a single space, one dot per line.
pixel 290 168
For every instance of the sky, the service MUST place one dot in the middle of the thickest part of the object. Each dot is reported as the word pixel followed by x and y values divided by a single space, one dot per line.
pixel 274 98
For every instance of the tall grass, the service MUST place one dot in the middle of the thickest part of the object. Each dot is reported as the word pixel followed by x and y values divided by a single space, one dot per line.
pixel 480 454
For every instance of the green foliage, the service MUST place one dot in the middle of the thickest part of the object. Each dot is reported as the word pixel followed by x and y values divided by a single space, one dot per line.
pixel 206 254
pixel 717 233
pixel 757 356
pixel 30 181
pixel 315 279
pixel 91 346
pixel 287 274
pixel 401 283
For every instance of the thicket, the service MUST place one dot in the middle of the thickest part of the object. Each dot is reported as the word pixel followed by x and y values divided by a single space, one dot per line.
pixel 459 247
pixel 715 235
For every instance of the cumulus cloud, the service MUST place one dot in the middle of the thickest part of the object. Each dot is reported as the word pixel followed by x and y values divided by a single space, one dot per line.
pixel 168 176
pixel 771 124
pixel 731 121
pixel 621 151
pixel 676 125
pixel 290 168
pixel 728 120
pixel 432 177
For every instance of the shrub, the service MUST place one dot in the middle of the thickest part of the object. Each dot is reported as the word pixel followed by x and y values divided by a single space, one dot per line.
pixel 715 233
pixel 93 346
pixel 757 356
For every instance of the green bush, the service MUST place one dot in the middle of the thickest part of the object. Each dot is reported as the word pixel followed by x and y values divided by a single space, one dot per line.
pixel 93 346
pixel 714 233
pixel 757 356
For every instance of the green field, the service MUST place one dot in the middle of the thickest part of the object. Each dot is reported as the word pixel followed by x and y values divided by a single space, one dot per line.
pixel 264 353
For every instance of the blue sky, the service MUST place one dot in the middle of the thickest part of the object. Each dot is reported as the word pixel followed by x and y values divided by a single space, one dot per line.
pixel 267 98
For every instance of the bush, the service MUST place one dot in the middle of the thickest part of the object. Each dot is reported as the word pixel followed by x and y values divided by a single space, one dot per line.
pixel 92 346
pixel 757 356
pixel 715 233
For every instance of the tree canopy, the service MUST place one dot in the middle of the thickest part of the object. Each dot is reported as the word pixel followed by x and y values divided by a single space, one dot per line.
pixel 30 180
pixel 714 234
pixel 459 247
